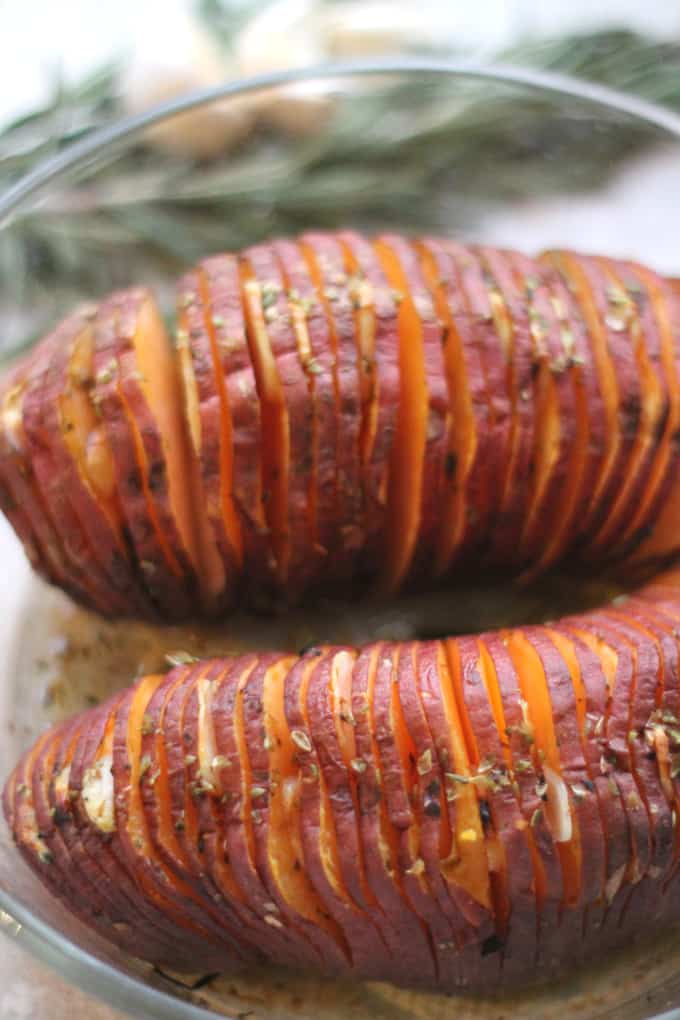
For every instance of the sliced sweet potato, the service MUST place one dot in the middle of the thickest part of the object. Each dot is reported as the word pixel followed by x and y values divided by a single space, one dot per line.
pixel 319 838
pixel 50 464
pixel 616 661
pixel 170 799
pixel 588 846
pixel 466 863
pixel 171 895
pixel 466 466
pixel 651 531
pixel 654 399
pixel 559 808
pixel 72 419
pixel 22 503
pixel 316 358
pixel 86 784
pixel 437 409
pixel 590 426
pixel 241 416
pixel 326 262
pixel 233 776
pixel 275 436
pixel 612 356
pixel 209 450
pixel 482 332
pixel 280 768
pixel 21 815
pixel 507 701
pixel 646 698
pixel 400 762
pixel 376 329
pixel 160 571
pixel 660 730
pixel 459 954
pixel 591 697
pixel 405 932
pixel 555 409
pixel 645 898
pixel 332 724
pixel 508 307
pixel 473 922
pixel 255 777
pixel 408 448
pixel 81 895
pixel 150 387
pixel 510 861
pixel 205 770
pixel 283 383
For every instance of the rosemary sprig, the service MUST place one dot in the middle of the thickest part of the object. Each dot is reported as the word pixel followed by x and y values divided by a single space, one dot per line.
pixel 401 153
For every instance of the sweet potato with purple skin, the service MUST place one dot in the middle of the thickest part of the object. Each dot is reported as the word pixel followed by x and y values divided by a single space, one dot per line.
pixel 21 500
pixel 325 258
pixel 354 416
pixel 613 357
pixel 50 464
pixel 401 762
pixel 508 308
pixel 554 401
pixel 241 421
pixel 590 435
pixel 149 385
pixel 448 814
pixel 316 358
pixel 218 534
pixel 322 853
pixel 464 813
pixel 377 341
pixel 376 834
pixel 469 448
pixel 164 586
pixel 476 318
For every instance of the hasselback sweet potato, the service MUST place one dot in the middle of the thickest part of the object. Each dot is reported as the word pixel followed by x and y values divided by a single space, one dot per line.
pixel 462 813
pixel 342 415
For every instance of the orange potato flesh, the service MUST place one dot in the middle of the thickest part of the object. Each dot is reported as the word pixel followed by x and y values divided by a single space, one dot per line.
pixel 160 383
pixel 341 696
pixel 408 753
pixel 663 540
pixel 364 318
pixel 83 432
pixel 488 671
pixel 284 843
pixel 210 558
pixel 406 465
pixel 462 444
pixel 494 849
pixel 136 819
pixel 142 461
pixel 275 426
pixel 572 270
pixel 650 409
pixel 467 863
pixel 229 513
pixel 536 694
pixel 559 532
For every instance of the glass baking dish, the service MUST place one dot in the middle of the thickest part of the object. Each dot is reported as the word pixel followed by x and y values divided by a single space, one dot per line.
pixel 55 658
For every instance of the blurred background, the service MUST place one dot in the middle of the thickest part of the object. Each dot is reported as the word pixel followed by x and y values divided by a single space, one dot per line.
pixel 233 172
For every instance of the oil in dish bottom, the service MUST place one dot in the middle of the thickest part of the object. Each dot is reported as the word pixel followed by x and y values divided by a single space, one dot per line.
pixel 63 659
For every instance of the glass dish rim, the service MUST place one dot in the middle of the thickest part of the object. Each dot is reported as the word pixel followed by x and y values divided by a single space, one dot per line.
pixel 88 972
